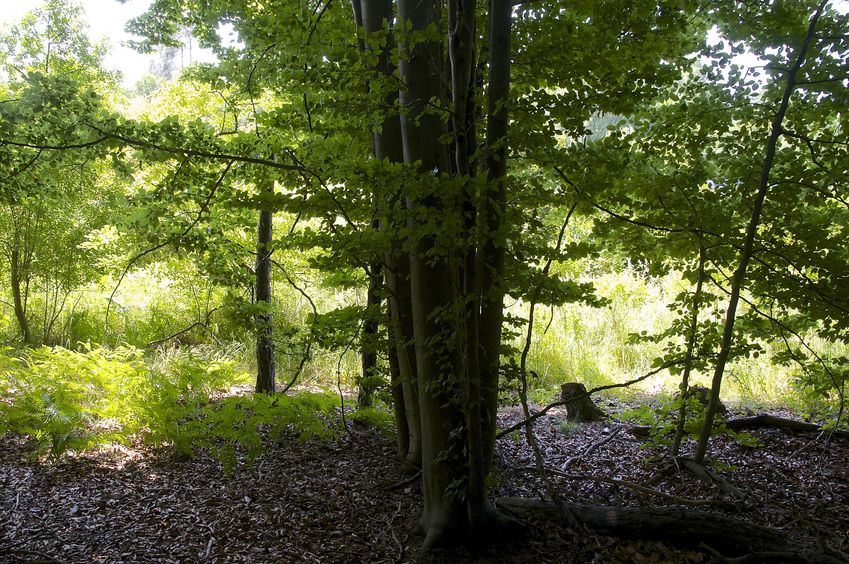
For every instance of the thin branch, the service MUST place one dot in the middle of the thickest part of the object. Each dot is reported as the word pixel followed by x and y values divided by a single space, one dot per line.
pixel 614 214
pixel 204 208
pixel 204 323
pixel 154 147
pixel 23 168
pixel 629 485
pixel 552 405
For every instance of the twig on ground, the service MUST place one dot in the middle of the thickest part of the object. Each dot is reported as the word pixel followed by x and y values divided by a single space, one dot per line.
pixel 709 476
pixel 592 448
pixel 629 485
pixel 208 550
pixel 403 483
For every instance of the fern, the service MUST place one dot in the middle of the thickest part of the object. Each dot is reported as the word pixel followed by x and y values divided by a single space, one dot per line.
pixel 74 400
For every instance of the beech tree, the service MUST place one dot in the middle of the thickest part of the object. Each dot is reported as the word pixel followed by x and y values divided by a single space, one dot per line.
pixel 49 200
pixel 460 128
pixel 438 172
pixel 741 206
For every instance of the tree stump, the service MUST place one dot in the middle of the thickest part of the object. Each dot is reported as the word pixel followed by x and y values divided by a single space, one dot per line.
pixel 579 406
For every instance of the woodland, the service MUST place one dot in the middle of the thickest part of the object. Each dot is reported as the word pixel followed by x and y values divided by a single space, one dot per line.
pixel 427 280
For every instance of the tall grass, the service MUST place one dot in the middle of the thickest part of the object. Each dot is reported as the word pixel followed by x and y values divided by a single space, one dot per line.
pixel 595 346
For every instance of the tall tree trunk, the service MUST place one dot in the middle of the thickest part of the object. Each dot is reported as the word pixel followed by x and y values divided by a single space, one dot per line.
pixel 401 320
pixel 402 435
pixel 491 218
pixel 461 40
pixel 387 145
pixel 370 336
pixel 264 336
pixel 751 234
pixel 457 403
pixel 444 472
pixel 18 274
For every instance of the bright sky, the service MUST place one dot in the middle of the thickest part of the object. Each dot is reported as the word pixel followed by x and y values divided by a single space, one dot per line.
pixel 106 20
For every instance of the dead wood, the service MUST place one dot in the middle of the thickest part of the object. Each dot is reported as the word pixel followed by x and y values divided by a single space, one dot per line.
pixel 707 475
pixel 592 448
pixel 579 404
pixel 766 420
pixel 702 394
pixel 759 421
pixel 630 485
pixel 693 529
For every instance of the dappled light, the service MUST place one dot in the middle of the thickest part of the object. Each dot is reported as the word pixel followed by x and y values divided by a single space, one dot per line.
pixel 453 280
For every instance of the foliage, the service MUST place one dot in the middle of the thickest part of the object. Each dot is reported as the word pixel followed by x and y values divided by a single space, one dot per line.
pixel 661 417
pixel 69 401
pixel 376 417
pixel 636 149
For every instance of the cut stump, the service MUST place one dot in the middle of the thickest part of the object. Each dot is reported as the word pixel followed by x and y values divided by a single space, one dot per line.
pixel 579 405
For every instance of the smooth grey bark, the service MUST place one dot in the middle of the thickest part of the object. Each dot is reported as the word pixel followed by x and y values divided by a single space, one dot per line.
pixel 751 234
pixel 461 40
pixel 372 15
pixel 432 288
pixel 490 268
pixel 262 294
pixel 457 405
pixel 370 337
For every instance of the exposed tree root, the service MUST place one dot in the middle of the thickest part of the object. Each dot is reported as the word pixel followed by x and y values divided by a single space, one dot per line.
pixel 496 526
pixel 691 529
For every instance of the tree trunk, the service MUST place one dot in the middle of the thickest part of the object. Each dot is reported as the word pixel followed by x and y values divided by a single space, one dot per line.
pixel 387 144
pixel 370 337
pixel 19 274
pixel 457 396
pixel 264 336
pixel 399 406
pixel 401 319
pixel 444 470
pixel 751 234
pixel 688 359
pixel 493 201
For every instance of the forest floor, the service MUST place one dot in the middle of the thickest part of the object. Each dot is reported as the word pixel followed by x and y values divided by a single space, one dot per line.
pixel 339 501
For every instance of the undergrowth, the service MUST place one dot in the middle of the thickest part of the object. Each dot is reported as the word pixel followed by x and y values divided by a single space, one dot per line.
pixel 66 400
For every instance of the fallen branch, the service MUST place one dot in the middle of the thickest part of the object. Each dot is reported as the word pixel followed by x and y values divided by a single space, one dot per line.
pixel 595 390
pixel 591 449
pixel 403 483
pixel 629 485
pixel 766 420
pixel 707 475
